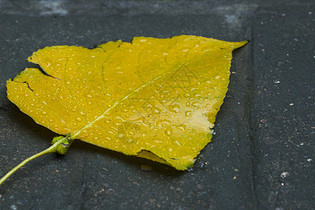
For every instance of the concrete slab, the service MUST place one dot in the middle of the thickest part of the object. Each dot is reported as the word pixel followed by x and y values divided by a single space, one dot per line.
pixel 93 178
pixel 283 108
pixel 262 154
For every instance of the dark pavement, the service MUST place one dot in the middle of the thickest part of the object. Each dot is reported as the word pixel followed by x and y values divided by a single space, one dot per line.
pixel 262 156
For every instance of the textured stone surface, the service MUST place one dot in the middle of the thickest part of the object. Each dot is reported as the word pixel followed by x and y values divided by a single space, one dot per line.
pixel 283 108
pixel 262 154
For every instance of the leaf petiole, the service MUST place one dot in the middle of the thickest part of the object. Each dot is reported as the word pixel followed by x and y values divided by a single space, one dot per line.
pixel 60 145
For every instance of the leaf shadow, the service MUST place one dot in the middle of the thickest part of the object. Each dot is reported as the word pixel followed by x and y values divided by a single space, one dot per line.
pixel 27 124
pixel 136 163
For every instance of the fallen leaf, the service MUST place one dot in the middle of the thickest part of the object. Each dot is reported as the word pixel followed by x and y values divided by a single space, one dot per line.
pixel 152 98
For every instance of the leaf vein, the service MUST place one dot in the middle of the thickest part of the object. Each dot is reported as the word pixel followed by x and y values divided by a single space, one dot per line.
pixel 121 100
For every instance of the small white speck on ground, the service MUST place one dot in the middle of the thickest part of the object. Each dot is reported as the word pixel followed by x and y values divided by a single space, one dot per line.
pixel 13 207
pixel 284 174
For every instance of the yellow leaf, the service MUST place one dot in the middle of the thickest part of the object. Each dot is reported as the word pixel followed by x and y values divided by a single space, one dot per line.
pixel 152 98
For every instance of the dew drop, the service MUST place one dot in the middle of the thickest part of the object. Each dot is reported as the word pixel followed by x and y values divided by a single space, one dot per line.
pixel 188 113
pixel 79 119
pixel 186 95
pixel 141 121
pixel 148 106
pixel 182 127
pixel 156 110
pixel 120 135
pixel 169 131
pixel 195 104
pixel 193 89
pixel 43 112
pixel 162 123
pixel 174 108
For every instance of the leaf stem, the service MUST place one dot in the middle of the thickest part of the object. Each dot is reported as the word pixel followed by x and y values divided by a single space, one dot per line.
pixel 52 149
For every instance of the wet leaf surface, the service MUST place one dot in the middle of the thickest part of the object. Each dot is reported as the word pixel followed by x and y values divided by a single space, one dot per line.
pixel 152 98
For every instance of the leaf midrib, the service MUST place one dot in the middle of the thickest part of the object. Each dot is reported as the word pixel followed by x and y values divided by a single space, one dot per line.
pixel 123 99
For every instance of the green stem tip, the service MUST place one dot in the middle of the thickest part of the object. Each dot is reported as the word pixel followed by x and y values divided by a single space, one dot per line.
pixel 60 145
